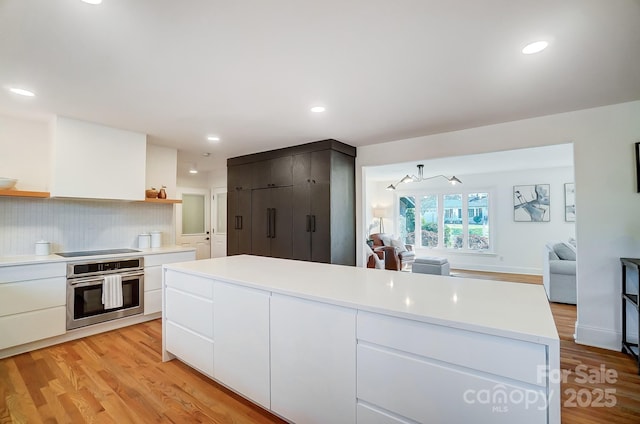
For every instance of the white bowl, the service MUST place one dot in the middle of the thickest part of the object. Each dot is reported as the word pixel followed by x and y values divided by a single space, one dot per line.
pixel 7 183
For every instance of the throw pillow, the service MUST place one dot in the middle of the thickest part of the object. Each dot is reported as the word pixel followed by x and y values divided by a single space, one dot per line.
pixel 399 245
pixel 565 251
pixel 386 240
pixel 368 250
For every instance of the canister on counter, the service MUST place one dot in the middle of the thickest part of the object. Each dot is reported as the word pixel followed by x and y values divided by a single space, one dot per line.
pixel 43 248
pixel 156 239
pixel 144 241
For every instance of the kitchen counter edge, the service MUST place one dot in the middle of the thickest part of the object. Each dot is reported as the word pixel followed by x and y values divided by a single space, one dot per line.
pixel 34 259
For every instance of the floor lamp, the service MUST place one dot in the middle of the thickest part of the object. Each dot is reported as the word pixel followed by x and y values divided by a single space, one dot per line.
pixel 379 213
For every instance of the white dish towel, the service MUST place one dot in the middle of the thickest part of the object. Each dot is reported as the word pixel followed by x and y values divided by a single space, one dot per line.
pixel 112 291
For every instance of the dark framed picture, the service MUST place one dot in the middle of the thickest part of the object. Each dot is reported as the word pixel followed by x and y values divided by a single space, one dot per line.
pixel 531 203
pixel 638 167
pixel 570 202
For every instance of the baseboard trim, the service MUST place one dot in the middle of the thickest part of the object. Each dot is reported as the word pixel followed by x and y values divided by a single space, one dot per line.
pixel 598 337
pixel 493 268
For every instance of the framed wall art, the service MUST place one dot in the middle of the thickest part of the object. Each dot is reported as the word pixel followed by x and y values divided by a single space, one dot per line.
pixel 570 202
pixel 638 167
pixel 531 203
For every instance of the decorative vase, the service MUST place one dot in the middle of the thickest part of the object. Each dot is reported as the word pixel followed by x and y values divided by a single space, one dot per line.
pixel 151 194
pixel 162 194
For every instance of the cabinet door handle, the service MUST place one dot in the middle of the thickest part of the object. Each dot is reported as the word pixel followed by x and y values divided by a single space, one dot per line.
pixel 268 222
pixel 239 222
pixel 273 223
pixel 313 223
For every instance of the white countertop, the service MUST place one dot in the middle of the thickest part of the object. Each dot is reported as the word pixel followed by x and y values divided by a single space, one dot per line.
pixel 33 259
pixel 506 309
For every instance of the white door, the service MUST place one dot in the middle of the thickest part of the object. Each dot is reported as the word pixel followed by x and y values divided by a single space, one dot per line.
pixel 193 220
pixel 219 219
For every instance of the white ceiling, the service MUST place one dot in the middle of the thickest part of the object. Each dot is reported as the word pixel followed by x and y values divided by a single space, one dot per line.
pixel 249 71
pixel 556 156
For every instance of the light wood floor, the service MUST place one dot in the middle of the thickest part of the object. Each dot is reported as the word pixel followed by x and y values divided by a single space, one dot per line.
pixel 118 377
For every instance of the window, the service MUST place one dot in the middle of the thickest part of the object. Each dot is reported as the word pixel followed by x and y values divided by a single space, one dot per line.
pixel 453 220
pixel 458 220
pixel 429 220
pixel 478 226
pixel 407 222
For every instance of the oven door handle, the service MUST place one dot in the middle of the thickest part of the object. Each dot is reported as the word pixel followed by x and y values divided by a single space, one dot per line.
pixel 85 283
pixel 98 280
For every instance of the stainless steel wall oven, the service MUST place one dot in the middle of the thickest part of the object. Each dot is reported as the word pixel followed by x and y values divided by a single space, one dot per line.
pixel 85 281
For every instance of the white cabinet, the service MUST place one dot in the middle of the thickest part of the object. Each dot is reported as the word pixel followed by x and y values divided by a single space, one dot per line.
pixel 188 319
pixel 313 361
pixel 97 162
pixel 399 360
pixel 153 277
pixel 241 335
pixel 32 303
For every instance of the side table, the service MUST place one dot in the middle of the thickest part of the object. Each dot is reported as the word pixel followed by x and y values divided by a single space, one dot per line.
pixel 630 300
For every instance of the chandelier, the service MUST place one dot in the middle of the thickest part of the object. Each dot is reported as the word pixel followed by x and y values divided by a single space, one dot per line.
pixel 420 177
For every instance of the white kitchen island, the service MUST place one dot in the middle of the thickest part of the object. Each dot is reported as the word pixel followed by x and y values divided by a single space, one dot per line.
pixel 318 343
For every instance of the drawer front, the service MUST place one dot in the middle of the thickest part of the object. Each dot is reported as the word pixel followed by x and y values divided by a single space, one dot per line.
pixel 31 326
pixel 431 391
pixel 32 272
pixel 368 414
pixel 199 286
pixel 169 258
pixel 187 310
pixel 496 355
pixel 190 347
pixel 152 278
pixel 28 296
pixel 152 301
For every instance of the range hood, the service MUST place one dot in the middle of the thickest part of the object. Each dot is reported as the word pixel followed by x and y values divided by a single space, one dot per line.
pixel 93 161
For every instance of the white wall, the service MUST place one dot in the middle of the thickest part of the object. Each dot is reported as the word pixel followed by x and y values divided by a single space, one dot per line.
pixel 517 246
pixel 199 180
pixel 162 164
pixel 25 151
pixel 607 204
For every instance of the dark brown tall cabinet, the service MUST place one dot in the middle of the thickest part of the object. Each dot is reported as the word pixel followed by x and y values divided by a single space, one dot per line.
pixel 239 210
pixel 301 206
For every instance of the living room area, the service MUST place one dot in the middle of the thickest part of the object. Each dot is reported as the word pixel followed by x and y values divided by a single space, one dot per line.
pixel 479 224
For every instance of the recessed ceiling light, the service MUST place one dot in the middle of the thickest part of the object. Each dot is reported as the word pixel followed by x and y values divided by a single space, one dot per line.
pixel 206 154
pixel 213 138
pixel 22 91
pixel 92 1
pixel 318 109
pixel 535 47
pixel 193 171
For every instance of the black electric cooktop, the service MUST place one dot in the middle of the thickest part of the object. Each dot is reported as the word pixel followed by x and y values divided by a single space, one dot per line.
pixel 95 252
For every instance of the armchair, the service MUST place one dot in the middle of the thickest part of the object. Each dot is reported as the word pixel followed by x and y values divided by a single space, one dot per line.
pixel 397 255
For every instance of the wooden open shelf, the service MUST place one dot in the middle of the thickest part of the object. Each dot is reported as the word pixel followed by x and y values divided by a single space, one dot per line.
pixel 46 195
pixel 22 193
pixel 162 200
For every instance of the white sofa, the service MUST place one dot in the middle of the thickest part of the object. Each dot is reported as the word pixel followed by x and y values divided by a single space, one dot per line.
pixel 559 272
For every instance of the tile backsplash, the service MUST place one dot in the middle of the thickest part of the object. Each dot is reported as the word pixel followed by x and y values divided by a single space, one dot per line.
pixel 71 225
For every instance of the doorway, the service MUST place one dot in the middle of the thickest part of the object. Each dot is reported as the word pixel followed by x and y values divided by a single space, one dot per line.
pixel 193 220
pixel 219 219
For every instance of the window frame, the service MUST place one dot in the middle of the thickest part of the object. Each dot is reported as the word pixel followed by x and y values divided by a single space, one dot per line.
pixel 419 193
